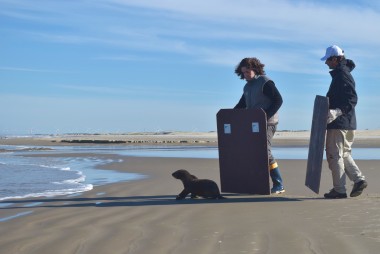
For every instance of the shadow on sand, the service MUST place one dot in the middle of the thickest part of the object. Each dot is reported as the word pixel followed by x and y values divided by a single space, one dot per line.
pixel 159 200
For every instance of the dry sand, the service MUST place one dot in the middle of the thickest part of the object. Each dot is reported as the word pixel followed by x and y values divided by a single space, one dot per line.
pixel 143 216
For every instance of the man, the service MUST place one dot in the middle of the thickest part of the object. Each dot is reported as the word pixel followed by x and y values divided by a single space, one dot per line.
pixel 261 92
pixel 341 125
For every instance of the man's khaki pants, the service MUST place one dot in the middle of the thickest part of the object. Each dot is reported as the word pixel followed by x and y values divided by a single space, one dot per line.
pixel 338 154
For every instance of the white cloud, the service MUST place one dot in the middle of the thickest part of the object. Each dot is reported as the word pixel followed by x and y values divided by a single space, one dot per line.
pixel 283 20
pixel 180 26
pixel 18 69
pixel 215 31
pixel 136 92
pixel 292 20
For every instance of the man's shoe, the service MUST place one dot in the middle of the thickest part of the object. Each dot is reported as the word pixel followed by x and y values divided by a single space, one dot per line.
pixel 334 194
pixel 277 190
pixel 358 188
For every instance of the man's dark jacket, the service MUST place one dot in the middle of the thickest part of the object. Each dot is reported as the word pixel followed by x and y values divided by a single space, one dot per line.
pixel 342 95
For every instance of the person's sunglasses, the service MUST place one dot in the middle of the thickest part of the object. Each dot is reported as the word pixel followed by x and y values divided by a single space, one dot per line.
pixel 331 58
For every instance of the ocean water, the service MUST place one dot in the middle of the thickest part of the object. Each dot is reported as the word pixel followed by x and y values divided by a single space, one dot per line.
pixel 22 177
pixel 25 177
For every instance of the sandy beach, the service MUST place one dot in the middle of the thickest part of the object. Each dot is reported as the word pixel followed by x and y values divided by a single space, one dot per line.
pixel 143 216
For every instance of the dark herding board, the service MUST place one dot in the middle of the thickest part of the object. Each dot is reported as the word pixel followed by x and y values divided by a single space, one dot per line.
pixel 317 143
pixel 243 153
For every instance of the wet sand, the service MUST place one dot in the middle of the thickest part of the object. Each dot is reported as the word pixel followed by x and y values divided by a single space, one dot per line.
pixel 144 217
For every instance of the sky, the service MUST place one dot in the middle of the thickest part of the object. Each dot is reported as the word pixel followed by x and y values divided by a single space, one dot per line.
pixel 102 66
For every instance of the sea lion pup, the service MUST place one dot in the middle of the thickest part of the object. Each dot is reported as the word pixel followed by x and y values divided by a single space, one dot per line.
pixel 197 187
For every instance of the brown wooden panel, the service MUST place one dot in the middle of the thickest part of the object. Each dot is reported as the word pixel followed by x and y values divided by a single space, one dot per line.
pixel 243 153
pixel 317 143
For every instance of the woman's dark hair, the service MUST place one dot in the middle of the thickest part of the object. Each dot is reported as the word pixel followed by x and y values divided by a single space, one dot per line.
pixel 250 63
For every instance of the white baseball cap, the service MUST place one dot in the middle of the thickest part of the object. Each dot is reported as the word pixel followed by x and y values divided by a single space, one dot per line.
pixel 333 50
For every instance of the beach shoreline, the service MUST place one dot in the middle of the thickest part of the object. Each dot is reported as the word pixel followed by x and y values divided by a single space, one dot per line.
pixel 143 216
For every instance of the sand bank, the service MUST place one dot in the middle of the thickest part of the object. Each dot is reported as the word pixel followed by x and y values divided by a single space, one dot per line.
pixel 364 138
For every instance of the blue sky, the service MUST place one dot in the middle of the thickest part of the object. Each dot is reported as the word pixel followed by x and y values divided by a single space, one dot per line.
pixel 124 66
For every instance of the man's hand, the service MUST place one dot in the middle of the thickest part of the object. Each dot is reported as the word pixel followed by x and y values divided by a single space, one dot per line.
pixel 333 114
